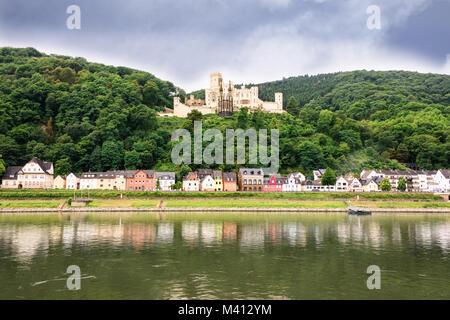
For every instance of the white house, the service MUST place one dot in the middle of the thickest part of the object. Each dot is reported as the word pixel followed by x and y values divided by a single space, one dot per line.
pixel 342 184
pixel 354 185
pixel 293 184
pixel 89 180
pixel 207 183
pixel 191 182
pixel 166 180
pixel 318 174
pixel 316 186
pixel 73 181
pixel 442 178
pixel 36 174
pixel 298 175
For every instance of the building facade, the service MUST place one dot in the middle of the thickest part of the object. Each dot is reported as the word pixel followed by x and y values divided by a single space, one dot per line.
pixel 35 174
pixel 191 182
pixel 241 97
pixel 141 180
pixel 229 182
pixel 251 179
pixel 165 180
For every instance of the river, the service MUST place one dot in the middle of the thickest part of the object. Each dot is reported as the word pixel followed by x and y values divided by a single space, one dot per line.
pixel 224 256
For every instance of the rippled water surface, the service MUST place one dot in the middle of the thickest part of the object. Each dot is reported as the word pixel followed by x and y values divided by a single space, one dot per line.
pixel 225 256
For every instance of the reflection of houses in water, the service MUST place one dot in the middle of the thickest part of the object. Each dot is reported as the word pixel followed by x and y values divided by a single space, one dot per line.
pixel 139 234
pixel 252 235
pixel 441 235
pixel 68 235
pixel 165 232
pixel 374 236
pixel 229 231
pixel 290 232
pixel 210 232
pixel 273 231
pixel 27 240
pixel 301 235
pixel 396 234
pixel 190 231
pixel 343 232
pixel 423 234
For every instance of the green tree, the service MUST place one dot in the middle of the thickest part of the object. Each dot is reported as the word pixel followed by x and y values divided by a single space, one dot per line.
pixel 385 185
pixel 2 166
pixel 401 184
pixel 328 177
pixel 63 167
pixel 292 106
pixel 132 160
pixel 112 155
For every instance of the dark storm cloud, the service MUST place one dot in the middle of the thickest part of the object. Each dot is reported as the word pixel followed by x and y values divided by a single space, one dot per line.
pixel 249 40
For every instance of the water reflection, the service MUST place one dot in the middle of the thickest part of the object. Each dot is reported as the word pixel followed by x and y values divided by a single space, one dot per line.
pixel 212 256
pixel 26 240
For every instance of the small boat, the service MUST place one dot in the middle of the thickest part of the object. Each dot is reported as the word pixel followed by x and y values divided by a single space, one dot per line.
pixel 358 211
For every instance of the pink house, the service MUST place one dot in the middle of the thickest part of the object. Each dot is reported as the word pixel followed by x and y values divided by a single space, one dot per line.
pixel 273 184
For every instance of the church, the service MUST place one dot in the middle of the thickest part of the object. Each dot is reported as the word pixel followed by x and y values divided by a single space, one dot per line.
pixel 224 99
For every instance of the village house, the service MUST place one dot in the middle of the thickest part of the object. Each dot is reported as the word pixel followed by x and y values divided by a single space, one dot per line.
pixel 35 174
pixel 318 174
pixel 218 180
pixel 89 181
pixel 371 185
pixel 442 179
pixel 229 182
pixel 316 186
pixel 293 182
pixel 165 180
pixel 273 184
pixel 59 182
pixel 191 182
pixel 141 180
pixel 9 180
pixel 416 180
pixel 207 184
pixel 342 184
pixel 251 179
pixel 73 181
pixel 354 185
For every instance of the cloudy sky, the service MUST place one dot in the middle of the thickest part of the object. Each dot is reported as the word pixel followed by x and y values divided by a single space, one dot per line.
pixel 249 41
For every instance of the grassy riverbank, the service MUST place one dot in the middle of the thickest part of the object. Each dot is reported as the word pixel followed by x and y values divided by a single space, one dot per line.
pixel 222 203
pixel 102 194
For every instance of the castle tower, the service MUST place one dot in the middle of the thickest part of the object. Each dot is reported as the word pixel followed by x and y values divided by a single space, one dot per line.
pixel 215 80
pixel 279 100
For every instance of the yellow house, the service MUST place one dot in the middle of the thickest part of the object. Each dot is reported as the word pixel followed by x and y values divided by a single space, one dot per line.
pixel 370 186
pixel 59 182
pixel 218 181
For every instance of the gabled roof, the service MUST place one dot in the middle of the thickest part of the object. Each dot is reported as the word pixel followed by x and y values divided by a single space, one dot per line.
pixel 217 174
pixel 445 173
pixel 45 166
pixel 163 175
pixel 11 172
pixel 229 176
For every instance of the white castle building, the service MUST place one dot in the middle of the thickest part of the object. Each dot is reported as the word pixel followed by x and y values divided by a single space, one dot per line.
pixel 241 97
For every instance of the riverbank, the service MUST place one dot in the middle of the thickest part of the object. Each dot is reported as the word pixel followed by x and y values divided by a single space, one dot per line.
pixel 6 194
pixel 27 211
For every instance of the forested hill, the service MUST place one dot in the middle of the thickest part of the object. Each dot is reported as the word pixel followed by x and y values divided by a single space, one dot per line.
pixel 375 95
pixel 88 116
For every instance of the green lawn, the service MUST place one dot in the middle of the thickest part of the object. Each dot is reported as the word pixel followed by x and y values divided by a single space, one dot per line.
pixel 30 204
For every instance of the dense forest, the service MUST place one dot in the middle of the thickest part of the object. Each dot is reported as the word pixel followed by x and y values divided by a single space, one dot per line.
pixel 88 116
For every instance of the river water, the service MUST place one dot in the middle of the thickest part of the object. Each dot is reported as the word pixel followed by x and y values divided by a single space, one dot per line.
pixel 224 256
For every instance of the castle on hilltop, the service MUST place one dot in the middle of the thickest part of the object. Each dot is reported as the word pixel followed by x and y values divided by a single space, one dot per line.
pixel 225 99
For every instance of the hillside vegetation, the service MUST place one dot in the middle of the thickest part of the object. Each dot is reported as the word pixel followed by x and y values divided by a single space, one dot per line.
pixel 88 116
